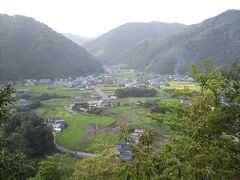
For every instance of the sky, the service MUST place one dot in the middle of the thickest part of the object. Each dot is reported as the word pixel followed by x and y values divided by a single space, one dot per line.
pixel 89 18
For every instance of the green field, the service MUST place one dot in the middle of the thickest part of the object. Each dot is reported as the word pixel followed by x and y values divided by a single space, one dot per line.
pixel 98 142
pixel 124 75
pixel 58 102
pixel 70 136
pixel 127 112
pixel 59 111
pixel 135 117
pixel 182 84
pixel 59 89
pixel 40 111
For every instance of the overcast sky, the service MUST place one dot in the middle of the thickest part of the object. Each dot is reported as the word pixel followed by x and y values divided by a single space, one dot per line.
pixel 89 18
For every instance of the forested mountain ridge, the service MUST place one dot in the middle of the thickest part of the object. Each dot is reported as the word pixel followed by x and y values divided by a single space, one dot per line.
pixel 30 49
pixel 217 38
pixel 109 46
pixel 77 39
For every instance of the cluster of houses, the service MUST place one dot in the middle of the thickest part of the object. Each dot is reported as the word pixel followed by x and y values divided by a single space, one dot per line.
pixel 162 79
pixel 91 80
pixel 122 149
pixel 84 105
pixel 56 123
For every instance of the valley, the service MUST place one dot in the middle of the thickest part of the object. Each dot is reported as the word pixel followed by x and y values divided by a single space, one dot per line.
pixel 143 100
pixel 95 127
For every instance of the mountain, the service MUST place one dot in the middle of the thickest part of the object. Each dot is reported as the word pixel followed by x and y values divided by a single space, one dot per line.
pixel 217 38
pixel 77 39
pixel 30 49
pixel 109 46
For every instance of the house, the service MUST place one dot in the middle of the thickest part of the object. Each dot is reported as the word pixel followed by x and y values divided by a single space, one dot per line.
pixel 136 135
pixel 113 97
pixel 56 123
pixel 122 152
pixel 52 119
pixel 105 104
pixel 22 91
pixel 23 102
pixel 56 127
pixel 30 82
pixel 80 105
pixel 45 81
pixel 138 103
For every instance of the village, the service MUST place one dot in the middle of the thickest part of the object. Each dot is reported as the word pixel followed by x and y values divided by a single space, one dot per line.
pixel 89 97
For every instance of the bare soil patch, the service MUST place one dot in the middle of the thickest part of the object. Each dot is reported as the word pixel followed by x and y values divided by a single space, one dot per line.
pixel 70 110
pixel 92 130
pixel 142 111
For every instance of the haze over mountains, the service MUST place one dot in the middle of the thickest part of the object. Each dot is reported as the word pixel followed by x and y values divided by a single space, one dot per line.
pixel 77 39
pixel 217 37
pixel 30 49
pixel 113 43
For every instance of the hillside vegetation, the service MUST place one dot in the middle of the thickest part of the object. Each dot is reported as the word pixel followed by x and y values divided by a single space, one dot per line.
pixel 30 49
pixel 75 38
pixel 109 46
pixel 217 38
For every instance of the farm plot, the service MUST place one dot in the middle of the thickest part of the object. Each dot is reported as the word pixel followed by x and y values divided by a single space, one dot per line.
pixel 124 75
pixel 136 117
pixel 70 137
pixel 183 84
pixel 59 90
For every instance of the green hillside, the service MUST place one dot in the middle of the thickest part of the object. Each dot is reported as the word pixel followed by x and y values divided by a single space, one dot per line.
pixel 30 49
pixel 109 46
pixel 217 38
pixel 75 38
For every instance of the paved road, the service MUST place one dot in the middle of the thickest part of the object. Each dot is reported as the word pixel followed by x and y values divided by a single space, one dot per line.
pixel 75 153
pixel 101 93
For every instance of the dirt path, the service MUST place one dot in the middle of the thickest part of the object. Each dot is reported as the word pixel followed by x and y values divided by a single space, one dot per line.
pixel 92 130
pixel 70 110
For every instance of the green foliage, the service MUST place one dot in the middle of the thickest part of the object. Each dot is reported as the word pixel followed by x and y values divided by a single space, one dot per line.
pixel 136 92
pixel 217 38
pixel 109 46
pixel 104 165
pixel 46 96
pixel 11 163
pixel 28 133
pixel 96 111
pixel 70 136
pixel 94 144
pixel 30 49
pixel 48 171
pixel 35 104
pixel 141 166
pixel 202 142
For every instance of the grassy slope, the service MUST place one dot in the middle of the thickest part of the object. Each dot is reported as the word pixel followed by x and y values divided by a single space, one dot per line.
pixel 98 142
pixel 70 136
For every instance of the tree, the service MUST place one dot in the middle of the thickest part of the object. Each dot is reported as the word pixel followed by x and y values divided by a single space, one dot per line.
pixel 35 136
pixel 11 163
pixel 202 144
pixel 204 140
pixel 48 171
pixel 104 165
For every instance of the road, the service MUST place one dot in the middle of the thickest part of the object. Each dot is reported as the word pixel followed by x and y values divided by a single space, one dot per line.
pixel 79 153
pixel 75 153
pixel 101 93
